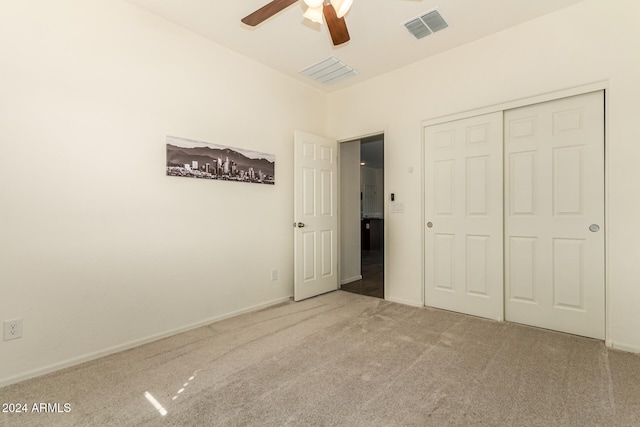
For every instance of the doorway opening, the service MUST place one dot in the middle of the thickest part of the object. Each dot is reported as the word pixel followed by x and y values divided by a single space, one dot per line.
pixel 362 216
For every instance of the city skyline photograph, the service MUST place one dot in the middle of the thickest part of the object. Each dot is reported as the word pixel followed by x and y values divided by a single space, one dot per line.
pixel 197 159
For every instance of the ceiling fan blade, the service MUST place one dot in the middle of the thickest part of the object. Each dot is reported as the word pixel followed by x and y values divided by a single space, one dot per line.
pixel 337 26
pixel 267 11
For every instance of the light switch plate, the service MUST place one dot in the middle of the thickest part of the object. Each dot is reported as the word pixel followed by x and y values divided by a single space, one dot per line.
pixel 397 207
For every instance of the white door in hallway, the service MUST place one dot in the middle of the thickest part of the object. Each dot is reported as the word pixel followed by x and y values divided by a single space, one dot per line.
pixel 315 215
pixel 554 215
pixel 464 216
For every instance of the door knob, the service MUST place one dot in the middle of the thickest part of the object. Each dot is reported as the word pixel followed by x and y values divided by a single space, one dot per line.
pixel 429 225
pixel 300 224
pixel 594 227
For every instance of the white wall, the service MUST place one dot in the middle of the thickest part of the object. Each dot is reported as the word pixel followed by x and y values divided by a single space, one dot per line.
pixel 100 249
pixel 350 265
pixel 592 41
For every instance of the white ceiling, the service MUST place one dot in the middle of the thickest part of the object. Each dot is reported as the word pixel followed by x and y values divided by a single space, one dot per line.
pixel 379 41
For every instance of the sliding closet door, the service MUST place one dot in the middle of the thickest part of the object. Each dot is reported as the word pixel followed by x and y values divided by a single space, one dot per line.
pixel 464 216
pixel 554 215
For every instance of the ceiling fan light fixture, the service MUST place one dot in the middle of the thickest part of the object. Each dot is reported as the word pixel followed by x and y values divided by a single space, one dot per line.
pixel 341 6
pixel 314 14
pixel 314 3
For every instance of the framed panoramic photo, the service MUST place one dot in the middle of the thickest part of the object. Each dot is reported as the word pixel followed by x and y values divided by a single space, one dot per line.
pixel 202 160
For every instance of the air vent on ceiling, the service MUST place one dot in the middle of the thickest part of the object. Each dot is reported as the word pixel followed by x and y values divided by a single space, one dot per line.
pixel 329 71
pixel 426 24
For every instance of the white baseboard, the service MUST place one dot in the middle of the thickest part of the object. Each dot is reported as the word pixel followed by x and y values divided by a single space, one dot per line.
pixel 623 346
pixel 406 302
pixel 351 279
pixel 131 344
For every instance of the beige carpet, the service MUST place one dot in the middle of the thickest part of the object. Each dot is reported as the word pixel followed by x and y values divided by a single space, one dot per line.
pixel 348 360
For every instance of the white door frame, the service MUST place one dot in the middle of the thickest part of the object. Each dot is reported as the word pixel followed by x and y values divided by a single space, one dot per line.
pixel 522 102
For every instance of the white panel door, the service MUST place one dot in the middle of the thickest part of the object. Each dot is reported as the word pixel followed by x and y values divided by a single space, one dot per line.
pixel 554 215
pixel 464 216
pixel 315 215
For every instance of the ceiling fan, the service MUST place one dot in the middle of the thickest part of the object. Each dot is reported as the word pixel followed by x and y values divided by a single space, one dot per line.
pixel 333 12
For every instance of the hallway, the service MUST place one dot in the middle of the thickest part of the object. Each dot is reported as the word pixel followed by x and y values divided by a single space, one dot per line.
pixel 372 282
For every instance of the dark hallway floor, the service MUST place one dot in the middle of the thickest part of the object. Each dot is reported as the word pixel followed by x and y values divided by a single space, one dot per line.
pixel 372 282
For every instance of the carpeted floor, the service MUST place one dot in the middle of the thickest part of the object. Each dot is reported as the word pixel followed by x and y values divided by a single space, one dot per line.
pixel 348 360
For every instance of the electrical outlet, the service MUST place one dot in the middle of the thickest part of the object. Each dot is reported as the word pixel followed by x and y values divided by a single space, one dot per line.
pixel 274 274
pixel 12 329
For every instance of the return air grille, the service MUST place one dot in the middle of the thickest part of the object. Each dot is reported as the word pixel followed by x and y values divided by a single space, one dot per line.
pixel 329 71
pixel 426 24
